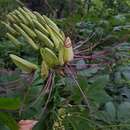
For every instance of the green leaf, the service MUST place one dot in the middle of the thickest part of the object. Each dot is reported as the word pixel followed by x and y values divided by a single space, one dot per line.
pixel 96 92
pixel 8 120
pixel 78 119
pixel 124 112
pixel 111 111
pixel 9 103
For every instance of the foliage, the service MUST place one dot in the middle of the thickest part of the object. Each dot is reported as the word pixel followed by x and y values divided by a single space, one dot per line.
pixel 6 48
pixel 5 7
pixel 6 118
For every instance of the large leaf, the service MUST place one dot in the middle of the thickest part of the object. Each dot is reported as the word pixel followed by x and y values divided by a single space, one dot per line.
pixel 108 115
pixel 96 90
pixel 8 120
pixel 77 119
pixel 9 103
pixel 124 112
pixel 111 111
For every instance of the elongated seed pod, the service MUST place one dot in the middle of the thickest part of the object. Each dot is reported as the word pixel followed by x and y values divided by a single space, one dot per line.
pixel 30 13
pixel 68 51
pixel 40 18
pixel 29 31
pixel 10 29
pixel 26 15
pixel 21 17
pixel 57 33
pixel 61 56
pixel 27 38
pixel 49 57
pixel 40 27
pixel 53 37
pixel 51 23
pixel 44 39
pixel 44 70
pixel 58 36
pixel 10 18
pixel 15 17
pixel 62 34
pixel 14 40
pixel 24 65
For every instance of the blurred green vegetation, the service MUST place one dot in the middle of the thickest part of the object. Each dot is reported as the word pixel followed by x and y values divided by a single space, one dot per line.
pixel 101 25
pixel 5 7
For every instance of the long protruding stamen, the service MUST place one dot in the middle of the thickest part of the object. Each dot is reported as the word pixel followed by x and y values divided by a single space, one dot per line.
pixel 94 56
pixel 43 91
pixel 83 94
pixel 83 42
pixel 49 94
pixel 85 57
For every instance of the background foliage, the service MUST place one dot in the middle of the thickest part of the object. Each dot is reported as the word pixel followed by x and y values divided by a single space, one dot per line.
pixel 103 27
